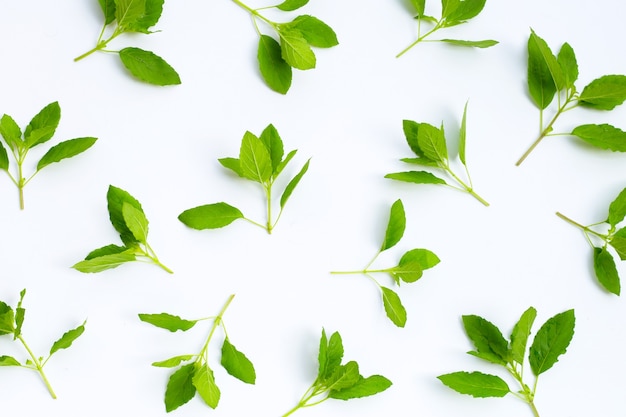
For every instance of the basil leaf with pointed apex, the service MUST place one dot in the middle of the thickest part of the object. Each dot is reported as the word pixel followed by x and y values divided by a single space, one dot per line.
pixel 541 84
pixel 407 271
pixel 567 61
pixel 617 209
pixel 292 184
pixel 210 216
pixel 9 361
pixel 168 321
pixel 316 32
pixel 618 242
pixel 233 164
pixel 466 10
pixel 128 12
pixel 284 162
pixel 425 258
pixel 295 49
pixel 136 222
pixel 237 364
pixel 105 250
pixel 476 384
pixel 256 163
pixel 42 127
pixel 393 307
pixel 463 135
pixel 602 136
pixel 291 5
pixel 172 362
pixel 520 334
pixel 204 381
pixel 180 388
pixel 20 314
pixel 274 145
pixel 448 7
pixel 116 197
pixel 604 93
pixel 606 271
pixel 487 43
pixel 432 142
pixel 102 263
pixel 149 67
pixel 411 130
pixel 67 339
pixel 424 162
pixel 150 17
pixel 343 377
pixel 66 149
pixel 395 226
pixel 364 387
pixel 4 158
pixel 551 341
pixel 322 355
pixel 108 8
pixel 416 177
pixel 274 69
pixel 334 354
pixel 487 339
pixel 11 132
pixel 420 6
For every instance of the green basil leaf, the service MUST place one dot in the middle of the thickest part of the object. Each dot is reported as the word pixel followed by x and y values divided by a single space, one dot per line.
pixel 204 381
pixel 150 17
pixel 520 334
pixel 67 339
pixel 4 158
pixel 290 5
pixel 487 339
pixel 106 250
pixel 136 222
pixel 173 362
pixel 237 364
pixel 541 66
pixel 274 145
pixel 116 197
pixel 295 49
pixel 108 8
pixel 9 361
pixel 487 43
pixel 316 32
pixel 292 184
pixel 66 149
pixel 7 319
pixel 618 242
pixel 395 226
pixel 411 130
pixel 256 163
pixel 168 321
pixel 333 354
pixel 42 127
pixel 567 61
pixel 102 263
pixel 393 307
pixel 617 209
pixel 603 136
pixel 344 376
pixel 233 164
pixel 364 387
pixel 604 93
pixel 11 132
pixel 432 142
pixel 476 384
pixel 274 69
pixel 180 388
pixel 551 341
pixel 420 6
pixel 416 177
pixel 463 135
pixel 210 216
pixel 149 67
pixel 466 9
pixel 606 271
pixel 128 12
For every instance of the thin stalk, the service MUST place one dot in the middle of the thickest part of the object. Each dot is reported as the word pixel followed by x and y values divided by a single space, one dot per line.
pixel 99 46
pixel 580 226
pixel 466 187
pixel 419 39
pixel 20 183
pixel 216 322
pixel 254 13
pixel 308 395
pixel 38 367
pixel 149 252
pixel 365 271
pixel 268 195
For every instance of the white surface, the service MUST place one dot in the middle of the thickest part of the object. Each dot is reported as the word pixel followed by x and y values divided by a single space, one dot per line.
pixel 162 145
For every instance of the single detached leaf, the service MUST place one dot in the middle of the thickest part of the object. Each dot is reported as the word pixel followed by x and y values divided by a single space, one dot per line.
pixel 173 362
pixel 116 197
pixel 432 142
pixel 364 387
pixel 128 12
pixel 606 271
pixel 149 67
pixel 617 209
pixel 316 32
pixel 567 61
pixel 416 177
pixel 395 226
pixel 290 5
pixel 520 334
pixel 9 361
pixel 237 364
pixel 233 164
pixel 551 341
pixel 604 93
pixel 393 307
pixel 487 339
pixel 168 321
pixel 102 263
pixel 105 250
pixel 210 216
pixel 274 145
pixel 4 158
pixel 180 388
pixel 476 384
pixel 66 149
pixel 11 132
pixel 67 339
pixel 136 222
pixel 295 49
pixel 42 127
pixel 603 136
pixel 541 63
pixel 256 163
pixel 293 184
pixel 487 43
pixel 108 8
pixel 204 381
pixel 618 242
pixel 274 69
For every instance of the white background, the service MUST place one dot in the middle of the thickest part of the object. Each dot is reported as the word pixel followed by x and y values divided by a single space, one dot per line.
pixel 162 145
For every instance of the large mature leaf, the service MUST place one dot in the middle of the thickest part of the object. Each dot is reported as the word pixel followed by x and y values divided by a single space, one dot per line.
pixel 395 226
pixel 149 67
pixel 343 377
pixel 237 364
pixel 290 5
pixel 295 49
pixel 520 334
pixel 602 136
pixel 476 384
pixel 617 209
pixel 551 341
pixel 128 12
pixel 102 263
pixel 416 177
pixel 316 32
pixel 274 69
pixel 180 388
pixel 393 307
pixel 66 149
pixel 487 338
pixel 606 271
pixel 256 163
pixel 292 184
pixel 487 43
pixel 567 61
pixel 364 387
pixel 168 321
pixel 541 65
pixel 274 144
pixel 466 9
pixel 604 93
pixel 432 142
pixel 150 17
pixel 412 264
pixel 42 127
pixel 204 381
pixel 116 197
pixel 67 339
pixel 210 216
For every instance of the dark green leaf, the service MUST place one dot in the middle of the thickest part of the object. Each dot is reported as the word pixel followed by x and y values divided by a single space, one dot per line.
pixel 42 127
pixel 7 319
pixel 237 364
pixel 204 381
pixel 476 384
pixel 364 387
pixel 168 321
pixel 604 93
pixel 274 145
pixel 149 67
pixel 104 262
pixel 602 136
pixel 487 339
pixel 618 242
pixel 487 43
pixel 210 216
pixel 66 149
pixel 432 142
pixel 108 8
pixel 617 209
pixel 11 132
pixel 416 177
pixel 128 12
pixel 551 341
pixel 9 361
pixel 106 250
pixel 67 339
pixel 295 49
pixel 292 184
pixel 116 197
pixel 567 61
pixel 136 222
pixel 463 135
pixel 520 334
pixel 172 362
pixel 316 32
pixel 4 158
pixel 180 388
pixel 395 226
pixel 606 271
pixel 233 164
pixel 411 130
pixel 256 163
pixel 393 307
pixel 275 71
pixel 541 65
pixel 290 5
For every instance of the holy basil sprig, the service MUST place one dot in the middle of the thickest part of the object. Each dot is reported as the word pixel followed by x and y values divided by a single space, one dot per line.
pixel 608 234
pixel 195 375
pixel 294 46
pixel 429 145
pixel 134 16
pixel 129 220
pixel 11 322
pixel 260 160
pixel 40 130
pixel 337 381
pixel 453 13
pixel 550 76
pixel 410 268
pixel 550 342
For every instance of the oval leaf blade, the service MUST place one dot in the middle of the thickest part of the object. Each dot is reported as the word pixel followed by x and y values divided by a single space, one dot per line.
pixel 237 364
pixel 364 387
pixel 180 388
pixel 149 67
pixel 393 307
pixel 64 150
pixel 604 93
pixel 295 49
pixel 476 384
pixel 204 381
pixel 602 136
pixel 551 341
pixel 275 71
pixel 395 226
pixel 606 271
pixel 210 216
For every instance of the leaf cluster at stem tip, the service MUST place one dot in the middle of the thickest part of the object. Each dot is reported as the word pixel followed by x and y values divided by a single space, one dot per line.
pixel 40 130
pixel 551 76
pixel 128 218
pixel 410 268
pixel 550 342
pixel 261 160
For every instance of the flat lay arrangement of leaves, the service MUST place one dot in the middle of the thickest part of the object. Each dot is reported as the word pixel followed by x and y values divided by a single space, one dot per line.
pixel 11 323
pixel 40 130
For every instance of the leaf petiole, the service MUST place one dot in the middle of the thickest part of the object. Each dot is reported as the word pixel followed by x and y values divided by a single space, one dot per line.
pixel 38 366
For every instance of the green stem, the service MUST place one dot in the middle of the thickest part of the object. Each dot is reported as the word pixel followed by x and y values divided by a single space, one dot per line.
pixel 532 407
pixel 308 395
pixel 99 46
pixel 216 322
pixel 580 226
pixel 466 187
pixel 365 271
pixel 419 39
pixel 268 195
pixel 254 13
pixel 149 252
pixel 38 366
pixel 20 183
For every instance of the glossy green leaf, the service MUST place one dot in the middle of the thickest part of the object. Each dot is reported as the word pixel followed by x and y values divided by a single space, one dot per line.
pixel 395 226
pixel 520 334
pixel 66 149
pixel 173 362
pixel 290 5
pixel 393 307
pixel 487 43
pixel 448 7
pixel 411 130
pixel 292 184
pixel 416 177
pixel 4 158
pixel 476 384
pixel 237 364
pixel 210 216
pixel 108 8
pixel 180 388
pixel 149 67
pixel 407 271
pixel 604 93
pixel 42 127
pixel 11 132
pixel 105 250
pixel 617 209
pixel 274 69
pixel 343 377
pixel 606 271
pixel 603 136
pixel 551 341
pixel 432 142
pixel 567 61
pixel 256 163
pixel 274 145
pixel 150 17
pixel 618 242
pixel 420 6
pixel 102 263
pixel 128 12
pixel 204 381
pixel 423 162
pixel 116 197
pixel 364 387
pixel 136 222
pixel 295 49
pixel 541 65
pixel 233 164
pixel 67 339
pixel 466 9
pixel 168 321
pixel 9 361
pixel 425 258
pixel 7 319
pixel 487 338
pixel 463 135
pixel 316 32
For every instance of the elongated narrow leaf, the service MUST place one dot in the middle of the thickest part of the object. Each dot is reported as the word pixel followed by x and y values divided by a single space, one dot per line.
pixel 487 43
pixel 210 216
pixel 67 339
pixel 520 334
pixel 256 163
pixel 149 67
pixel 284 162
pixel 322 355
pixel 432 142
pixel 567 61
pixel 541 84
pixel 487 339
pixel 290 5
pixel 604 93
pixel 364 387
pixel 42 127
pixel 618 242
pixel 66 149
pixel 4 158
pixel 168 321
pixel 293 184
pixel 274 69
pixel 173 362
pixel 136 222
pixel 476 384
pixel 180 388
pixel 617 209
pixel 603 136
pixel 102 263
pixel 11 132
pixel 316 32
pixel 237 364
pixel 295 49
pixel 105 250
pixel 424 162
pixel 116 197
pixel 551 341
pixel 204 381
pixel 463 135
pixel 606 271
pixel 233 164
pixel 108 8
pixel 393 307
pixel 416 177
pixel 395 226
pixel 274 145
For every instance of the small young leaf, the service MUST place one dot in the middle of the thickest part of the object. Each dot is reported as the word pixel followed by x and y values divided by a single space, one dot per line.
pixel 364 387
pixel 136 222
pixel 66 149
pixel 275 71
pixel 463 135
pixel 7 319
pixel 204 381
pixel 116 197
pixel 105 250
pixel 395 226
pixel 256 163
pixel 108 8
pixel 618 242
pixel 432 142
pixel 274 145
pixel 316 32
pixel 180 388
pixel 604 93
pixel 149 67
pixel 233 164
pixel 487 43
pixel 237 364
pixel 173 362
pixel 4 158
pixel 295 49
pixel 551 341
pixel 20 314
pixel 67 339
pixel 541 84
pixel 617 209
pixel 292 184
pixel 602 136
pixel 42 127
pixel 168 321
pixel 393 307
pixel 487 339
pixel 416 177
pixel 9 361
pixel 334 354
pixel 476 384
pixel 424 162
pixel 606 271
pixel 520 334
pixel 102 263
pixel 210 216
pixel 567 61
pixel 284 162
pixel 11 132
pixel 290 5
pixel 322 355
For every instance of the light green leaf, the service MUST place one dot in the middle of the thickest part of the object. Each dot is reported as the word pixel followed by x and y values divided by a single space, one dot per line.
pixel 136 222
pixel 393 307
pixel 604 93
pixel 210 216
pixel 420 6
pixel 520 334
pixel 541 63
pixel 487 43
pixel 233 164
pixel 617 209
pixel 364 387
pixel 106 250
pixel 7 319
pixel 116 197
pixel 172 362
pixel 180 388
pixel 11 132
pixel 292 184
pixel 20 314
pixel 603 136
pixel 551 341
pixel 618 242
pixel 104 262
pixel 284 162
pixel 128 12
pixel 204 381
pixel 67 339
pixel 487 339
pixel 274 145
pixel 150 16
pixel 432 142
pixel 168 321
pixel 256 163
pixel 66 149
pixel 416 177
pixel 237 364
pixel 295 49
pixel 322 355
pixel 275 71
pixel 344 376
pixel 395 226
pixel 448 7
pixel 463 135
pixel 316 32
pixel 334 354
pixel 424 162
pixel 466 9
pixel 42 127
pixel 9 361
pixel 108 8
pixel 290 5
pixel 606 271
pixel 4 158
pixel 476 384
pixel 567 61
pixel 425 258
pixel 149 67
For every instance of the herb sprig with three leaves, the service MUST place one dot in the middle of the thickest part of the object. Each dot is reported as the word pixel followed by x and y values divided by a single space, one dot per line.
pixel 40 130
pixel 337 381
pixel 603 262
pixel 429 145
pixel 550 76
pixel 550 342
pixel 260 160
pixel 129 220
pixel 135 16
pixel 294 48
pixel 195 375
pixel 409 269
pixel 11 322
pixel 453 13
